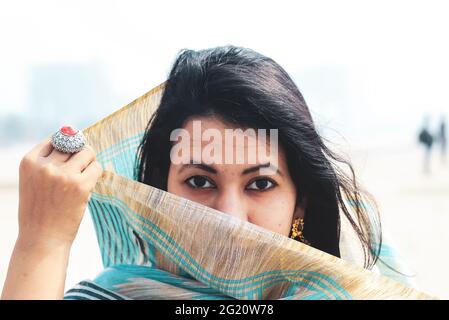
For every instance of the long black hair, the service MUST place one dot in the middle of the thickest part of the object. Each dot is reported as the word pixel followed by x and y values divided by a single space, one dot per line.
pixel 245 88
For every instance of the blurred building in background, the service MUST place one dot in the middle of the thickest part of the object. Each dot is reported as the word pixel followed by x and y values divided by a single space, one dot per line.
pixel 57 94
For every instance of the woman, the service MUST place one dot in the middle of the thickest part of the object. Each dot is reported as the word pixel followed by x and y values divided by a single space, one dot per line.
pixel 230 87
pixel 304 196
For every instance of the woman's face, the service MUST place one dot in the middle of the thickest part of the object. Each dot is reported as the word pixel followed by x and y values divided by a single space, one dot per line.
pixel 238 189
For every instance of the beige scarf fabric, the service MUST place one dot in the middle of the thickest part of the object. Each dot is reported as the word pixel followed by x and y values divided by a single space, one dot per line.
pixel 156 245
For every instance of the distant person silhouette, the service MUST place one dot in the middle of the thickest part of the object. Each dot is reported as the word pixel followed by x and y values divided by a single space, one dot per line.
pixel 426 138
pixel 442 139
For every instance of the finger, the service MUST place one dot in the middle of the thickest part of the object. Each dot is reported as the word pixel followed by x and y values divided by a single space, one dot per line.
pixel 92 173
pixel 80 160
pixel 42 149
pixel 58 156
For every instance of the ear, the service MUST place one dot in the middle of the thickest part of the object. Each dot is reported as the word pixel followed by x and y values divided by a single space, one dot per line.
pixel 300 208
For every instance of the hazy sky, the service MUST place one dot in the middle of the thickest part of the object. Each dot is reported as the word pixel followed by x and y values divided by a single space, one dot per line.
pixel 390 56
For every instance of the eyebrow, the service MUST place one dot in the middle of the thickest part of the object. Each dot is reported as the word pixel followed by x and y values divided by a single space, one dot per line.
pixel 265 165
pixel 201 166
pixel 210 169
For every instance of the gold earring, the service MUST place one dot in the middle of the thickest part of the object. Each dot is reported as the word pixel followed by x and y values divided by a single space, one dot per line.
pixel 297 229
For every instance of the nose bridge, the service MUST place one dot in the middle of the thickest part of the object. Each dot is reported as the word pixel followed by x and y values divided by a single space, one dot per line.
pixel 231 201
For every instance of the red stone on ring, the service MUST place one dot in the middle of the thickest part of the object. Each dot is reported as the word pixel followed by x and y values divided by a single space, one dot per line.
pixel 68 131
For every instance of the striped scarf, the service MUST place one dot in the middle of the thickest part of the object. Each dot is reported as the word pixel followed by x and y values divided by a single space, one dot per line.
pixel 156 245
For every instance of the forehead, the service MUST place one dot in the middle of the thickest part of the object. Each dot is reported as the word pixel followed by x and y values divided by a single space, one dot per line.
pixel 220 130
pixel 207 133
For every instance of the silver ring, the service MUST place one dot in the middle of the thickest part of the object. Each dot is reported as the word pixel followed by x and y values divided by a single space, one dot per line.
pixel 68 140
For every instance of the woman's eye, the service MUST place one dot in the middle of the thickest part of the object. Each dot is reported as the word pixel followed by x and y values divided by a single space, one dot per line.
pixel 199 182
pixel 261 185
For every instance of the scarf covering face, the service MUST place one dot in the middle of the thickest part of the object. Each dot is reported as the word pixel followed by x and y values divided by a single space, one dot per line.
pixel 156 245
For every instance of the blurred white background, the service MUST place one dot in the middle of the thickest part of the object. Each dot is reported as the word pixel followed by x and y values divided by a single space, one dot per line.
pixel 369 70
